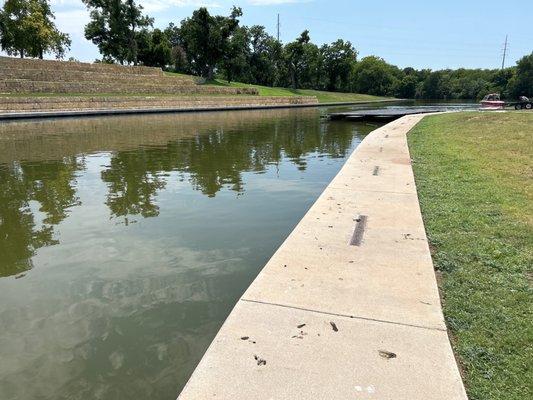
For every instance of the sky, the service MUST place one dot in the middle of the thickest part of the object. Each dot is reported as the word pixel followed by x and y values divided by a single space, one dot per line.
pixel 421 34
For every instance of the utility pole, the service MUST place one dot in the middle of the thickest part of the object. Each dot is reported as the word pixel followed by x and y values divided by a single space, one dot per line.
pixel 278 27
pixel 504 52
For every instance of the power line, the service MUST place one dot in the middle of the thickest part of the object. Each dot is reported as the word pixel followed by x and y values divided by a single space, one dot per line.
pixel 504 52
pixel 278 26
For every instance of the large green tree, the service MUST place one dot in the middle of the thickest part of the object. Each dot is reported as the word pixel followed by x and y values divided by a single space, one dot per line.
pixel 178 57
pixel 114 27
pixel 206 39
pixel 27 28
pixel 236 59
pixel 373 75
pixel 294 57
pixel 339 61
pixel 155 49
pixel 260 58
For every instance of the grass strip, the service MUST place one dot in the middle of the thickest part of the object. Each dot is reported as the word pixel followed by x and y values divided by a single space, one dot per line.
pixel 474 175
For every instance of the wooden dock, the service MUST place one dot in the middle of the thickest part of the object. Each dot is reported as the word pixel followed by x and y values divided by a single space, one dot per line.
pixel 385 114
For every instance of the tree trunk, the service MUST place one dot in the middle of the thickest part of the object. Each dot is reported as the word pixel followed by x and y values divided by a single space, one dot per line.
pixel 293 78
pixel 210 73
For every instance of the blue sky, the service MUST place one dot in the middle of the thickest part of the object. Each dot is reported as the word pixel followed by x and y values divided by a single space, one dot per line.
pixel 422 34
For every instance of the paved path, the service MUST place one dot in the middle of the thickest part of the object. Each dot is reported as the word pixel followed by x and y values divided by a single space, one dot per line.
pixel 348 306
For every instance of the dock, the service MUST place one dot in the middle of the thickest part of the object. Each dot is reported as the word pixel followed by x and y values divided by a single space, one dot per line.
pixel 384 114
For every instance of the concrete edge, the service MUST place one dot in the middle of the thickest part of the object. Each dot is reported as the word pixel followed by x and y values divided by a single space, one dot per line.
pixel 133 111
pixel 439 379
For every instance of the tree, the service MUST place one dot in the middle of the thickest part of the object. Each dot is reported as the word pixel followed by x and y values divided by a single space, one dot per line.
pixel 27 28
pixel 277 68
pixel 522 83
pixel 236 59
pixel 177 52
pixel 154 48
pixel 114 28
pixel 375 76
pixel 294 52
pixel 406 87
pixel 339 61
pixel 12 36
pixel 311 67
pixel 43 35
pixel 206 39
pixel 263 56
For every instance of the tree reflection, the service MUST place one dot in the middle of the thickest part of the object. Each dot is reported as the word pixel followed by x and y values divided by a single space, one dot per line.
pixel 211 152
pixel 216 158
pixel 50 186
pixel 133 183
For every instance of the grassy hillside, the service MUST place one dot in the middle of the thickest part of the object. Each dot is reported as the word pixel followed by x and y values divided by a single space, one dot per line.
pixel 322 96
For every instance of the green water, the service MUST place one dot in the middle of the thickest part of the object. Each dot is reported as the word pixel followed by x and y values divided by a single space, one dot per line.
pixel 126 241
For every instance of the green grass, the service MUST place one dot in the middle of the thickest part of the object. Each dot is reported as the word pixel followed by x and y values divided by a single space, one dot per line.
pixel 322 96
pixel 474 174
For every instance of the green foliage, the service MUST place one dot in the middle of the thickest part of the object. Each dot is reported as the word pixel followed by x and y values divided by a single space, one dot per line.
pixel 373 75
pixel 521 84
pixel 339 63
pixel 294 58
pixel 155 49
pixel 207 45
pixel 406 87
pixel 114 28
pixel 206 39
pixel 237 55
pixel 266 58
pixel 27 29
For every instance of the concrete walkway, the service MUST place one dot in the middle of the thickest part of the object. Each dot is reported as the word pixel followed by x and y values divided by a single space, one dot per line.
pixel 348 306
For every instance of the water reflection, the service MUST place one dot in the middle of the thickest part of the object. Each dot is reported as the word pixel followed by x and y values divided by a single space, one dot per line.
pixel 142 232
pixel 23 186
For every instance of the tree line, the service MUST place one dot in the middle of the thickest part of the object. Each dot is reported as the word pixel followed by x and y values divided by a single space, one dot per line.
pixel 215 46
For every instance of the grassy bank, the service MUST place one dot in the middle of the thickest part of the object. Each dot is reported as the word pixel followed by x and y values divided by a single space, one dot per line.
pixel 322 96
pixel 475 179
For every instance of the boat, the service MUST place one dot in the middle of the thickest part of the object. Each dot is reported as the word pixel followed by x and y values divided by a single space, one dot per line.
pixel 492 101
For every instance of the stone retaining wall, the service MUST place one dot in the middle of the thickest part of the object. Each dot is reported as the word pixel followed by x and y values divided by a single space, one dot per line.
pixel 53 65
pixel 21 104
pixel 23 86
pixel 35 74
pixel 45 76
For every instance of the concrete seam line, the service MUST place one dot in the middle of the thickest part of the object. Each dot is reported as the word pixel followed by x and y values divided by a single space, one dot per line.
pixel 344 315
pixel 372 191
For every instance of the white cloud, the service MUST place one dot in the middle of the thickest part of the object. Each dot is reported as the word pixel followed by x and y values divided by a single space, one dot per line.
pixel 72 21
pixel 70 3
pixel 150 6
pixel 154 6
